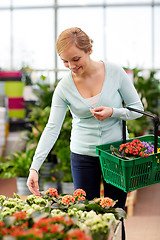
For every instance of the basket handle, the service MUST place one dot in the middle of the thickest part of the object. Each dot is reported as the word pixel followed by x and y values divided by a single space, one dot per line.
pixel 156 122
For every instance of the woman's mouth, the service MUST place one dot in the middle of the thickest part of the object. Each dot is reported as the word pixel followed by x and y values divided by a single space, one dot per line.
pixel 76 70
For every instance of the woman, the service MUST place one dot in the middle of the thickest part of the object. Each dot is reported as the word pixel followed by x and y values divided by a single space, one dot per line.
pixel 94 92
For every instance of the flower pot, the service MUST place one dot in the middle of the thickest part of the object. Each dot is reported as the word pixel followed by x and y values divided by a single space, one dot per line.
pixel 67 187
pixel 14 88
pixel 22 188
pixel 45 171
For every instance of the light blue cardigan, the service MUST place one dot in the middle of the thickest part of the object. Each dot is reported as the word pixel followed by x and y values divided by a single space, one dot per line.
pixel 87 132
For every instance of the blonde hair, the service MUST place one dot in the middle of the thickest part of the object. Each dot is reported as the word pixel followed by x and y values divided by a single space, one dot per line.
pixel 75 36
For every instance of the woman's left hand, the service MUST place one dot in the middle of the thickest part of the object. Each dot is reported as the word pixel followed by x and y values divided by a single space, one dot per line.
pixel 101 113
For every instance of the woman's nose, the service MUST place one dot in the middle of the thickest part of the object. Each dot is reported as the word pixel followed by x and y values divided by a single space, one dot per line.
pixel 71 65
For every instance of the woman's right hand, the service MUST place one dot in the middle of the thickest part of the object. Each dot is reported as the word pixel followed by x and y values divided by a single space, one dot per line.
pixel 32 182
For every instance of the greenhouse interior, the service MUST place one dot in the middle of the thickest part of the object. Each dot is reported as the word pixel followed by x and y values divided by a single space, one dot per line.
pixel 80 119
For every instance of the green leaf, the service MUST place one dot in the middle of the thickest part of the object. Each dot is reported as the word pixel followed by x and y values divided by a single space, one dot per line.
pixel 115 151
pixel 94 206
pixel 117 154
pixel 121 213
pixel 16 196
pixel 118 212
pixel 79 206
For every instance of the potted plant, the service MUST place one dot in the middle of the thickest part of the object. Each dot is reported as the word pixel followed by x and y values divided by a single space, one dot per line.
pixel 17 165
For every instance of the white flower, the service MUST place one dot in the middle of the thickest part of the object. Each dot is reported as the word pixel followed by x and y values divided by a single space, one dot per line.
pixel 30 211
pixel 2 199
pixel 146 74
pixel 37 207
pixel 27 208
pixel 92 221
pixel 72 212
pixel 84 215
pixel 40 201
pixel 9 203
pixel 91 214
pixel 57 212
pixel 108 217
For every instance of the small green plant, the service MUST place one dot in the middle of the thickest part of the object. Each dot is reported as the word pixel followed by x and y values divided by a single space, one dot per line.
pixel 17 164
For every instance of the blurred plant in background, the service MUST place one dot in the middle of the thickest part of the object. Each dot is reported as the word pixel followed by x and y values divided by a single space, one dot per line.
pixel 147 85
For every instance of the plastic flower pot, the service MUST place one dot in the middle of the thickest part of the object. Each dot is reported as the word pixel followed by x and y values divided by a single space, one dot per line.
pixel 14 88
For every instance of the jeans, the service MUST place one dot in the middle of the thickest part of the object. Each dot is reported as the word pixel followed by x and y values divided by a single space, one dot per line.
pixel 87 175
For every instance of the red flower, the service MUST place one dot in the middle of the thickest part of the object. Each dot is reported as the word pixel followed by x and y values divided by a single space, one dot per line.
pixel 4 231
pixel 106 202
pixel 67 199
pixel 136 141
pixel 77 234
pixel 65 221
pixel 79 192
pixel 53 192
pixel 42 223
pixel 34 234
pixel 81 198
pixel 1 223
pixel 17 231
pixel 15 228
pixel 20 215
pixel 134 148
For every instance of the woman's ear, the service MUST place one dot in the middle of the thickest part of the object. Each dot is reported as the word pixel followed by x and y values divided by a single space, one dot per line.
pixel 90 51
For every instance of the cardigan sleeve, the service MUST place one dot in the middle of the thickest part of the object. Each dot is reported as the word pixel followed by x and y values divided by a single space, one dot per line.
pixel 52 129
pixel 130 97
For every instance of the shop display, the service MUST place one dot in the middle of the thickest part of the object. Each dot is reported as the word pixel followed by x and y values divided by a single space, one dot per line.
pixel 54 216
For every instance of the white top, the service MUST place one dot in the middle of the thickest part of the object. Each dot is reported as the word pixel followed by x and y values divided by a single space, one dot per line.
pixel 93 100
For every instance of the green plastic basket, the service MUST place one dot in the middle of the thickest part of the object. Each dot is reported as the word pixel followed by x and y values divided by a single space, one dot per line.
pixel 132 174
pixel 129 175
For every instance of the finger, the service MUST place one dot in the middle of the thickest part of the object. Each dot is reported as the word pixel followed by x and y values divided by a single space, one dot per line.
pixel 98 114
pixel 97 109
pixel 91 110
pixel 34 188
pixel 35 191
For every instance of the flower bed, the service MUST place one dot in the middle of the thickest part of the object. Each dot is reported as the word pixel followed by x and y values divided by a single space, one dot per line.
pixel 54 216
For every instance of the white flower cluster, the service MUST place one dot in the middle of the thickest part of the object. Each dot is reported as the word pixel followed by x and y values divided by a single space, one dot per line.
pixel 91 220
pixel 12 205
pixel 57 212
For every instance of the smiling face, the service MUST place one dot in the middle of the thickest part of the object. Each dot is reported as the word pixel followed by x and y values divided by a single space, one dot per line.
pixel 75 59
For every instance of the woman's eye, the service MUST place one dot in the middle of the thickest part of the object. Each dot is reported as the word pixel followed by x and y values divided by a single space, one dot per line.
pixel 76 60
